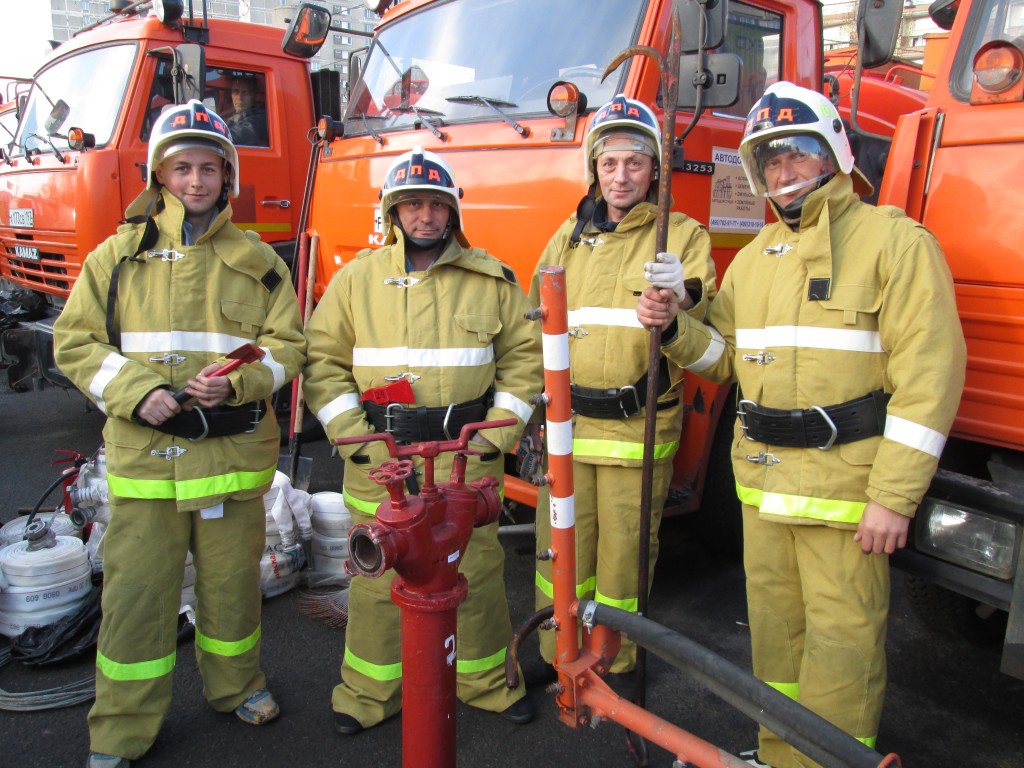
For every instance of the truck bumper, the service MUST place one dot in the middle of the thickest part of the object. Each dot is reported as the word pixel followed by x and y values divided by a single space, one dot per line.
pixel 26 356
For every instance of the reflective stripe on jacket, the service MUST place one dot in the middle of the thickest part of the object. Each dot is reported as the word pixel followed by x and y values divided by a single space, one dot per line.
pixel 884 318
pixel 178 310
pixel 608 348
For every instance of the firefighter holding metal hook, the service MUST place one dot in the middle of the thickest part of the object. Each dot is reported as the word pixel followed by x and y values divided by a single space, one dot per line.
pixel 418 338
pixel 608 251
pixel 157 309
pixel 839 324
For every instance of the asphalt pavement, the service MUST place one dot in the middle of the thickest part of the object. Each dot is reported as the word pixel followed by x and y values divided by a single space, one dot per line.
pixel 948 706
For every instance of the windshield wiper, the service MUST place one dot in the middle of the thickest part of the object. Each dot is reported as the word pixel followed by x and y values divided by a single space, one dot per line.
pixel 421 115
pixel 376 136
pixel 48 140
pixel 493 105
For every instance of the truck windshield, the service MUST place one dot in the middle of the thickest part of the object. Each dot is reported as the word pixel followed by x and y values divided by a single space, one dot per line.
pixel 91 83
pixel 990 20
pixel 454 61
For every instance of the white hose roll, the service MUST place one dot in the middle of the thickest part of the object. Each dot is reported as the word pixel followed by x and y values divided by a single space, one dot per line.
pixel 22 566
pixel 325 564
pixel 330 546
pixel 61 525
pixel 13 623
pixel 330 515
pixel 42 598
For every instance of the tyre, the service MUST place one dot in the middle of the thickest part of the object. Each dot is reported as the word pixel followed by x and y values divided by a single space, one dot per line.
pixel 953 614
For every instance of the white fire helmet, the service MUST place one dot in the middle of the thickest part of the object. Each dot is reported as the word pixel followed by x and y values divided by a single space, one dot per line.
pixel 192 126
pixel 416 175
pixel 622 117
pixel 790 118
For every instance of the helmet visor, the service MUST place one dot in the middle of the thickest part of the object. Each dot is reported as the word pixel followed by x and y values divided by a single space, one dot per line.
pixel 625 140
pixel 788 164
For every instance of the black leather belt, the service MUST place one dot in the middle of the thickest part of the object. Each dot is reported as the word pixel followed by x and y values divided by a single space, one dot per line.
pixel 815 427
pixel 220 421
pixel 611 403
pixel 420 425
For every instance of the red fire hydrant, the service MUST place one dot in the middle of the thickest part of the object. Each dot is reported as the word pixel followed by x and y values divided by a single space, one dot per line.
pixel 423 538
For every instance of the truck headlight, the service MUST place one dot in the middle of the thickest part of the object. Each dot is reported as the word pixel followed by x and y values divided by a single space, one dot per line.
pixel 968 538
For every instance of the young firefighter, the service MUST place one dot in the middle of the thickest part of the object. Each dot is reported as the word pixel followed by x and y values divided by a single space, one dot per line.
pixel 608 251
pixel 839 324
pixel 445 322
pixel 156 308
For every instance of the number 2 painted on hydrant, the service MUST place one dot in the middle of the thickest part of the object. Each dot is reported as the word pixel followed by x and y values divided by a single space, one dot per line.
pixel 449 642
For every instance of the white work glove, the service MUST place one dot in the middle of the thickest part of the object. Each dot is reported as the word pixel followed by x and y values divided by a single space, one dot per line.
pixel 666 272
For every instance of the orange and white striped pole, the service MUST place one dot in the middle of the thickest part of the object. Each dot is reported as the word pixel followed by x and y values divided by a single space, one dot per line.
pixel 558 436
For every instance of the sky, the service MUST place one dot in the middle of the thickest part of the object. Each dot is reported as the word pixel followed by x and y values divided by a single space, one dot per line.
pixel 24 31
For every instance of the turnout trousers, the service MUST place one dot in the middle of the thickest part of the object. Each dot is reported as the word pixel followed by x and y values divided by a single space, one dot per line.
pixel 818 608
pixel 371 672
pixel 607 501
pixel 144 551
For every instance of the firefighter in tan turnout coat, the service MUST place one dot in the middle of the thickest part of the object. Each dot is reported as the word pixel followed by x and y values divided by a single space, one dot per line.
pixel 420 325
pixel 839 325
pixel 608 251
pixel 157 307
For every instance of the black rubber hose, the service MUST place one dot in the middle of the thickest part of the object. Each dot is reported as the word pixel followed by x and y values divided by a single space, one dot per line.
pixel 811 734
pixel 46 493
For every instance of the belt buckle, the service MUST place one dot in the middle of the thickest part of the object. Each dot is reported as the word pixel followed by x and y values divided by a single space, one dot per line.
pixel 831 425
pixel 444 425
pixel 636 400
pixel 742 415
pixel 206 425
pixel 389 417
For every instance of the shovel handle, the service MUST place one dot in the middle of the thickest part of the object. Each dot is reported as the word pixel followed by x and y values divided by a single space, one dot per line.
pixel 182 394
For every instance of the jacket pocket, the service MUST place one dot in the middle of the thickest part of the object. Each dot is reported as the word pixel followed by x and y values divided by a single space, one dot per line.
pixel 250 317
pixel 485 327
pixel 856 302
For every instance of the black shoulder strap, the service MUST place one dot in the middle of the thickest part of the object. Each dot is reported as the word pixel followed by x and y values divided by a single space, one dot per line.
pixel 584 213
pixel 149 237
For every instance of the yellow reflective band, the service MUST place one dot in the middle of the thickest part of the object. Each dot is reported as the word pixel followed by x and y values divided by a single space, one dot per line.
pixel 382 672
pixel 140 670
pixel 183 490
pixel 133 488
pixel 547 587
pixel 481 665
pixel 630 604
pixel 789 505
pixel 790 690
pixel 617 449
pixel 868 741
pixel 228 647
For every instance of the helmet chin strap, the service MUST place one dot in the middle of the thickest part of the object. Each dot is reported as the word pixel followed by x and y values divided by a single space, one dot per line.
pixel 791 213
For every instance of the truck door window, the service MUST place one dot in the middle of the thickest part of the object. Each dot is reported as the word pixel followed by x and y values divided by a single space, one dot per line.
pixel 754 35
pixel 93 85
pixel 508 51
pixel 989 20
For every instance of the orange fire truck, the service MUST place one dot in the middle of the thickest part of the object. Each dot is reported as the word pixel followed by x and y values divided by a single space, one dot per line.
pixel 504 92
pixel 78 154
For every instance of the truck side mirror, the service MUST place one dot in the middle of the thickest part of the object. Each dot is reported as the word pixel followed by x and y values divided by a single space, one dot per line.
pixel 878 28
pixel 191 81
pixel 943 13
pixel 307 31
pixel 720 79
pixel 57 117
pixel 715 13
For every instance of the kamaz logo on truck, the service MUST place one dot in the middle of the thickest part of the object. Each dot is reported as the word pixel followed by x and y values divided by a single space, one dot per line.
pixel 21 217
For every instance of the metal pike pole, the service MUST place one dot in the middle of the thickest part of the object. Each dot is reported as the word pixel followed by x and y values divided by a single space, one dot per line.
pixel 669 67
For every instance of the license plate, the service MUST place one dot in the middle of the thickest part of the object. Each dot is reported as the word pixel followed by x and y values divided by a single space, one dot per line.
pixel 27 252
pixel 21 217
